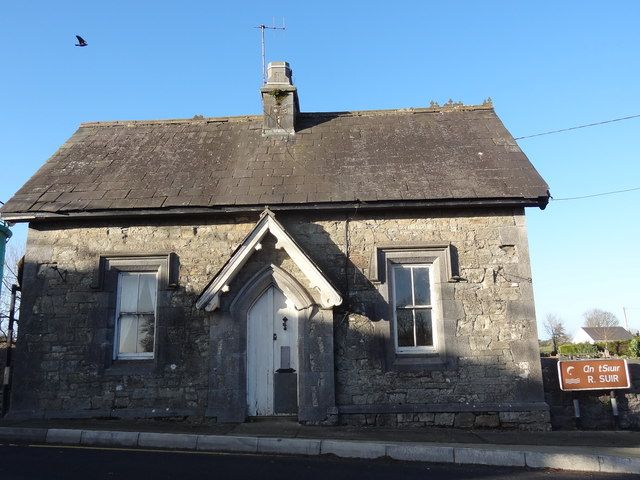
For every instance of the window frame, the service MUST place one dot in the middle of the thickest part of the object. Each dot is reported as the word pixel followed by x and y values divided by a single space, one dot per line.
pixel 105 279
pixel 446 309
pixel 117 355
pixel 416 348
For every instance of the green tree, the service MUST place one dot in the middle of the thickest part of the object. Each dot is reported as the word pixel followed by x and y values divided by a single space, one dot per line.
pixel 634 347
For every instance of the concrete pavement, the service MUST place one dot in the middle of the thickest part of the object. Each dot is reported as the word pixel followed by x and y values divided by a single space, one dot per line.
pixel 612 452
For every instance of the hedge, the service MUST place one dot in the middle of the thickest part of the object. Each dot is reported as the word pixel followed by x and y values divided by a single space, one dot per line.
pixel 578 349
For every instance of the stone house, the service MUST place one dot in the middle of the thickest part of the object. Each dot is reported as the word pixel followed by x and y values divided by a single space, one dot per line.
pixel 365 267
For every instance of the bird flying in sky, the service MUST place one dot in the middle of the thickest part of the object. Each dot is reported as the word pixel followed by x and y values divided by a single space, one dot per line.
pixel 81 42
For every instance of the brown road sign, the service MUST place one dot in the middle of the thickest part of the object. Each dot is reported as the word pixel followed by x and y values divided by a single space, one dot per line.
pixel 600 374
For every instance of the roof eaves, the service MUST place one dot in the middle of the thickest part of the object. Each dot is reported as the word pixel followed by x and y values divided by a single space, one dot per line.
pixel 25 216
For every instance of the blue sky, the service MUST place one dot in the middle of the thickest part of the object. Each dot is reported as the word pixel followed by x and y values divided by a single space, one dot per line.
pixel 546 65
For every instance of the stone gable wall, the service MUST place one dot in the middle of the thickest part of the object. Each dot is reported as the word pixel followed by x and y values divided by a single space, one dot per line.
pixel 495 379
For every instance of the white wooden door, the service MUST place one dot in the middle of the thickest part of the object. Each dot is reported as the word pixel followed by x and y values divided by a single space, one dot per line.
pixel 271 345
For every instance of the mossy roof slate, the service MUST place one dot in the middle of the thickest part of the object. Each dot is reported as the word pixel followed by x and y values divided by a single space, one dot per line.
pixel 372 157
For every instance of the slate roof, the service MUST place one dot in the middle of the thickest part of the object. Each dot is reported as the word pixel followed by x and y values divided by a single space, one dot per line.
pixel 608 334
pixel 415 156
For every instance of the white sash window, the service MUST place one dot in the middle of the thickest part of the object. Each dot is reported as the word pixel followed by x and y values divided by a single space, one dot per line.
pixel 412 309
pixel 136 315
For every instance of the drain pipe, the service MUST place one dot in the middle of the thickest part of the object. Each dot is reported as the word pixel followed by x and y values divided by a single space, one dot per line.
pixel 346 263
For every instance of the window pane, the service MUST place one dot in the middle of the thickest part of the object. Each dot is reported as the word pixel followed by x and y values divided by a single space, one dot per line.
pixel 146 326
pixel 404 326
pixel 421 286
pixel 147 293
pixel 403 287
pixel 128 325
pixel 424 328
pixel 128 292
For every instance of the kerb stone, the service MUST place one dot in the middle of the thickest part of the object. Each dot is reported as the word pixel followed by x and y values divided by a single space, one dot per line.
pixel 64 436
pixel 168 440
pixel 353 449
pixel 294 446
pixel 563 461
pixel 479 456
pixel 222 443
pixel 612 464
pixel 23 434
pixel 107 438
pixel 420 453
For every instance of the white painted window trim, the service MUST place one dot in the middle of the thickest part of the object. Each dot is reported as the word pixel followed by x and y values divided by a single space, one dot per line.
pixel 116 343
pixel 422 348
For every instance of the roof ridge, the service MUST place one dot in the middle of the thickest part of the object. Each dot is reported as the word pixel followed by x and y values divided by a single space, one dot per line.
pixel 450 106
pixel 434 107
pixel 198 119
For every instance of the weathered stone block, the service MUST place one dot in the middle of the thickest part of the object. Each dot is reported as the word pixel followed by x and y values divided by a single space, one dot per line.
pixel 444 419
pixel 487 421
pixel 464 420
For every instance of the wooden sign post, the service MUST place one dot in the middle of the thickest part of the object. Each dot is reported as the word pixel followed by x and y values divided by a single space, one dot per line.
pixel 594 374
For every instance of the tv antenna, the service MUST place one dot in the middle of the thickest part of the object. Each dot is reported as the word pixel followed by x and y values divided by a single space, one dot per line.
pixel 626 320
pixel 262 28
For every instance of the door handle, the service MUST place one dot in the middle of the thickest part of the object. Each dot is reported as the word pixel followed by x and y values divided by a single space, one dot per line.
pixel 275 337
pixel 284 323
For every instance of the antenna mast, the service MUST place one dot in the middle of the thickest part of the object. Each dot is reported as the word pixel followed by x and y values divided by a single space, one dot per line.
pixel 262 28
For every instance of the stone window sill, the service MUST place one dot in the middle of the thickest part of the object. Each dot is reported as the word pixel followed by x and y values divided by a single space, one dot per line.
pixel 419 362
pixel 130 367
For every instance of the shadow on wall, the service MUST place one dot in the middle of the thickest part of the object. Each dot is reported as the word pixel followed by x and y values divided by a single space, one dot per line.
pixel 595 406
pixel 64 367
pixel 380 393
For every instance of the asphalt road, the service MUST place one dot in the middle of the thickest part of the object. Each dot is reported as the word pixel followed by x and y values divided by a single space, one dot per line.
pixel 52 463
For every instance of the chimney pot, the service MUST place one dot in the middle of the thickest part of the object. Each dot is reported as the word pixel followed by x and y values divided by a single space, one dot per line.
pixel 280 73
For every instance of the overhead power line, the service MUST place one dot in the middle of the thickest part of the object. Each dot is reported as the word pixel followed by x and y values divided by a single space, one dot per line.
pixel 10 270
pixel 596 194
pixel 579 126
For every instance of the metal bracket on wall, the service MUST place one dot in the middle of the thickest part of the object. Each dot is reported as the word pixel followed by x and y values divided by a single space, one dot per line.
pixel 62 273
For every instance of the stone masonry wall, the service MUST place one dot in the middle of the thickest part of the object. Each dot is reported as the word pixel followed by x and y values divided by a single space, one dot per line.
pixel 494 381
pixel 495 333
pixel 57 372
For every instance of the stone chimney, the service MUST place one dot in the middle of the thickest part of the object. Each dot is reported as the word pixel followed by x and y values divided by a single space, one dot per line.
pixel 279 101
